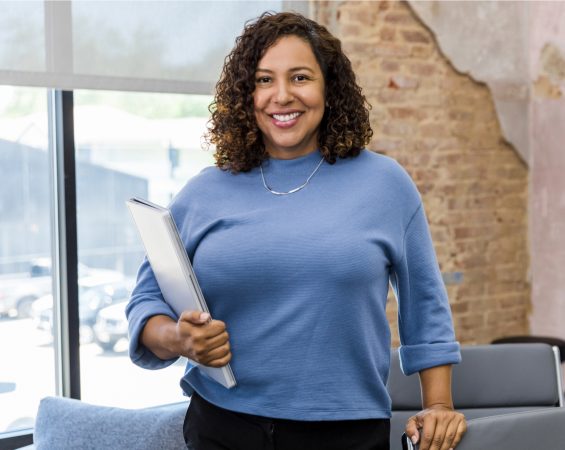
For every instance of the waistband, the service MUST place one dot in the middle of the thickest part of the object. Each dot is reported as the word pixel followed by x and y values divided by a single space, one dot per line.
pixel 287 423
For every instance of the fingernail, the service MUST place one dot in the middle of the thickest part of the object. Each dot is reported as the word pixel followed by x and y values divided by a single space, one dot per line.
pixel 204 317
pixel 414 440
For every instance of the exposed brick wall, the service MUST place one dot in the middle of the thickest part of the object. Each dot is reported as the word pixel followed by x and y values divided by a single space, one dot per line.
pixel 442 127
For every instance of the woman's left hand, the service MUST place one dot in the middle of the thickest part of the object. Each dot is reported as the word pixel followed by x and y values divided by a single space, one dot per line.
pixel 436 428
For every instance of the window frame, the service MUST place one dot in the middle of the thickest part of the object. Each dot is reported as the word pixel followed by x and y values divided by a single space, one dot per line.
pixel 64 251
pixel 61 154
pixel 64 244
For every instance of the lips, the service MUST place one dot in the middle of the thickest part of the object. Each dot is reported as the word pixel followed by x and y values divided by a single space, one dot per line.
pixel 286 120
pixel 285 117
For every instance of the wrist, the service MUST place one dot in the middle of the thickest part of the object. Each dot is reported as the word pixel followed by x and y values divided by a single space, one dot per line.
pixel 171 343
pixel 160 335
pixel 440 405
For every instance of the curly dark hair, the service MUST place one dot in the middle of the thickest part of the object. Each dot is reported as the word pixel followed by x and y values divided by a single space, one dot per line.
pixel 344 129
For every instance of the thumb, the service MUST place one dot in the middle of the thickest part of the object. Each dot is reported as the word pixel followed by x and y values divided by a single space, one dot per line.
pixel 412 430
pixel 195 317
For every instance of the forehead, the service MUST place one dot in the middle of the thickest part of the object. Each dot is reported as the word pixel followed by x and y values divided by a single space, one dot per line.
pixel 288 52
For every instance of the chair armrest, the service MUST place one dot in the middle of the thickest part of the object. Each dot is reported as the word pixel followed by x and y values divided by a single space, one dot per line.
pixel 539 429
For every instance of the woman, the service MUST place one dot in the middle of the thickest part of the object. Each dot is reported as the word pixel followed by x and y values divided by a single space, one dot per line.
pixel 294 237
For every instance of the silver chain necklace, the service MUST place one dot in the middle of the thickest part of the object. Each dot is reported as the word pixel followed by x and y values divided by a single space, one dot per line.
pixel 292 191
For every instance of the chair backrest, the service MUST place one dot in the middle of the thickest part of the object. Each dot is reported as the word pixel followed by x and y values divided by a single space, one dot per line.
pixel 490 380
pixel 67 424
pixel 491 376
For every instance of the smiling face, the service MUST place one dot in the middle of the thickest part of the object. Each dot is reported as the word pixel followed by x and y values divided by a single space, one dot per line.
pixel 289 98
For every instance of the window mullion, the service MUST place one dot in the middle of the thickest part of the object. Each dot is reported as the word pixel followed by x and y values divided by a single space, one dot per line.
pixel 65 254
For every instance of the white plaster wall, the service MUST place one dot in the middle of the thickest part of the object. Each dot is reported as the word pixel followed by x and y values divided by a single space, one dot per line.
pixel 547 172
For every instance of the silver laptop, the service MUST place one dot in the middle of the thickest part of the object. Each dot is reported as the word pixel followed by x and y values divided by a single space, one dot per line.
pixel 172 269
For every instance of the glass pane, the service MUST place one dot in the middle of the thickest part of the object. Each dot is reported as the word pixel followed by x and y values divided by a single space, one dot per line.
pixel 173 40
pixel 22 36
pixel 127 144
pixel 26 349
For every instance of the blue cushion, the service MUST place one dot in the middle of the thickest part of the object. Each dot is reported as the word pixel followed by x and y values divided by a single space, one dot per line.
pixel 64 423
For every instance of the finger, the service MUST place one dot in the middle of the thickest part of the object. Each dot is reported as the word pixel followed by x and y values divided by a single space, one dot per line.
pixel 203 341
pixel 201 331
pixel 439 435
pixel 449 434
pixel 461 430
pixel 411 430
pixel 205 354
pixel 195 317
pixel 427 433
pixel 221 362
pixel 218 340
pixel 216 356
pixel 215 327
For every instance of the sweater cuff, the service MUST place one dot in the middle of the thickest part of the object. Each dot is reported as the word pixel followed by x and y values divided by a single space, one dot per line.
pixel 139 354
pixel 414 358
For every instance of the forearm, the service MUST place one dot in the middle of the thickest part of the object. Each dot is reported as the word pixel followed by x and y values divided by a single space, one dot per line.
pixel 159 336
pixel 437 426
pixel 436 387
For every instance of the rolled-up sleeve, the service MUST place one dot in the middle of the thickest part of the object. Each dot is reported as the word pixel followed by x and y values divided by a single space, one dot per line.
pixel 424 317
pixel 146 301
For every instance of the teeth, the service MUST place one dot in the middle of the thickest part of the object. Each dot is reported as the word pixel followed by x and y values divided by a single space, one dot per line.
pixel 286 117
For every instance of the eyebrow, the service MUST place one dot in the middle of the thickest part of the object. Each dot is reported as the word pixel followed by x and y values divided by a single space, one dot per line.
pixel 293 69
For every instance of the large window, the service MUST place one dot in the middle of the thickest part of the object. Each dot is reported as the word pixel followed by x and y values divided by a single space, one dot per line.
pixel 127 144
pixel 69 158
pixel 26 353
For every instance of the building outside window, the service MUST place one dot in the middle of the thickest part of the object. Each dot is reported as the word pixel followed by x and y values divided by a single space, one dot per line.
pixel 27 370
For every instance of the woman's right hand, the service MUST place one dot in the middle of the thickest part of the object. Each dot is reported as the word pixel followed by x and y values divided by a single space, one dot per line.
pixel 194 335
pixel 203 340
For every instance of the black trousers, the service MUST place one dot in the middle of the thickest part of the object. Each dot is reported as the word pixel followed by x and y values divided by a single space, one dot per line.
pixel 207 427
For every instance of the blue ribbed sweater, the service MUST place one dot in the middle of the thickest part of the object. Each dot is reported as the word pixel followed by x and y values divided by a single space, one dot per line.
pixel 301 282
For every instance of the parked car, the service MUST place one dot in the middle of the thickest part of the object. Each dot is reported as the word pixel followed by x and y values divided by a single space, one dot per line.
pixel 111 326
pixel 94 294
pixel 18 291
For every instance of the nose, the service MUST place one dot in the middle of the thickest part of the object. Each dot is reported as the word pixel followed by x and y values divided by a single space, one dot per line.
pixel 283 94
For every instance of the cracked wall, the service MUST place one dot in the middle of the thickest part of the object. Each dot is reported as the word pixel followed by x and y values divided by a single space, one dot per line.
pixel 442 126
pixel 518 49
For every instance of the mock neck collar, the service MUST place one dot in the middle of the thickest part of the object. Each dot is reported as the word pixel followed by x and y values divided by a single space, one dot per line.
pixel 309 160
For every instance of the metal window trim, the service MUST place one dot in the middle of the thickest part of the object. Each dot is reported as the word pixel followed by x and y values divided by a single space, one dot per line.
pixel 558 374
pixel 104 83
pixel 64 244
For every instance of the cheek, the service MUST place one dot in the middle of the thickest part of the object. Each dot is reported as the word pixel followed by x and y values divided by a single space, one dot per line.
pixel 315 100
pixel 259 116
pixel 256 107
pixel 258 101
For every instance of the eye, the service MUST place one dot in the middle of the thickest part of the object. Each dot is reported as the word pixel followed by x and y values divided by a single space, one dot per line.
pixel 262 80
pixel 300 77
